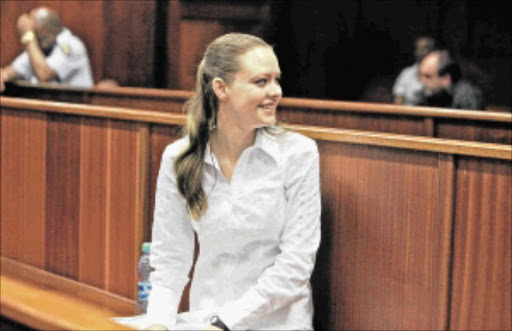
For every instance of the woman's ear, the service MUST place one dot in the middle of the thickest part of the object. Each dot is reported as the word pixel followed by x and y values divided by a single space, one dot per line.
pixel 219 87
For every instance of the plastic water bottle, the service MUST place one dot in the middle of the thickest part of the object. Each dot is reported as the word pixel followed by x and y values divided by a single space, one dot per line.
pixel 143 284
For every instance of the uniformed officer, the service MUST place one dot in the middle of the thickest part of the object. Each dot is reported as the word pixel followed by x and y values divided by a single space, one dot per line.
pixel 52 53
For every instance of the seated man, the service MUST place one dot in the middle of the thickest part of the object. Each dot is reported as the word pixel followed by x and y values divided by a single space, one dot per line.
pixel 443 85
pixel 52 53
pixel 407 87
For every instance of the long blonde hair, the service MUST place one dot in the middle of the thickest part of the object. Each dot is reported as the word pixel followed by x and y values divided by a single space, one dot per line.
pixel 220 60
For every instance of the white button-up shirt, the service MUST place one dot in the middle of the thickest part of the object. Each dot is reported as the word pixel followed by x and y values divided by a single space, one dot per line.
pixel 408 85
pixel 258 239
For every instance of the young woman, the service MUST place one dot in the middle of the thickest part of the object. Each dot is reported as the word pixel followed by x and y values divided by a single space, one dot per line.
pixel 249 190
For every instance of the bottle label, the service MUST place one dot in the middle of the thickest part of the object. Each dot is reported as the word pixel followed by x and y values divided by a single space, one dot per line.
pixel 143 290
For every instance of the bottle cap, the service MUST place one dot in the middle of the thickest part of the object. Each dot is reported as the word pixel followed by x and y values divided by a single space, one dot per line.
pixel 146 247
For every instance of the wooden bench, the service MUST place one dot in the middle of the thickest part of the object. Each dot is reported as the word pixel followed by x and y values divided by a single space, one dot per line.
pixel 415 230
pixel 45 301
pixel 485 126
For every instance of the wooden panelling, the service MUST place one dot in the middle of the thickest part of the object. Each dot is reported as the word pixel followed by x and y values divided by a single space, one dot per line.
pixel 11 195
pixel 138 102
pixel 33 184
pixel 347 120
pixel 195 37
pixel 482 256
pixel 387 246
pixel 475 131
pixel 161 136
pixel 93 202
pixel 62 198
pixel 128 55
pixel 194 24
pixel 23 183
pixel 74 195
pixel 127 144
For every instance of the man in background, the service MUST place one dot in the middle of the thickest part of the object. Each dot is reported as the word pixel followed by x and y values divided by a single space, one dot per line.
pixel 443 85
pixel 407 89
pixel 52 53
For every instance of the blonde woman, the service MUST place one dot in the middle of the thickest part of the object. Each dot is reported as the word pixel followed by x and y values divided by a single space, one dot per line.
pixel 249 190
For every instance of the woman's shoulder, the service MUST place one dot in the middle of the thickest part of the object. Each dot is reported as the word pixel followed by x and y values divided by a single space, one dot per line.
pixel 297 143
pixel 294 148
pixel 175 148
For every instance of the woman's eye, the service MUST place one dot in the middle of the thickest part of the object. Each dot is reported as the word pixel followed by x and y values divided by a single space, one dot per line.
pixel 261 81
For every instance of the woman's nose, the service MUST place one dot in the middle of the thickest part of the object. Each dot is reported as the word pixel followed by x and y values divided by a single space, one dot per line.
pixel 275 89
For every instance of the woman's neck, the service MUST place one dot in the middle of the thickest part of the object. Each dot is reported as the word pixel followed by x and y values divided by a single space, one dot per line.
pixel 228 143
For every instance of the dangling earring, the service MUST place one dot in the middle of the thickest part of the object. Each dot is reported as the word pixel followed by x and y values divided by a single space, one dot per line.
pixel 212 126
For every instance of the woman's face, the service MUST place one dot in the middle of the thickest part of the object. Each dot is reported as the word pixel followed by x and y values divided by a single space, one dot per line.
pixel 253 95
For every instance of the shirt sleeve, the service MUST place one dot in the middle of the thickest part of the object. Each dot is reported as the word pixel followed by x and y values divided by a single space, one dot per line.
pixel 172 248
pixel 469 97
pixel 22 66
pixel 288 278
pixel 67 58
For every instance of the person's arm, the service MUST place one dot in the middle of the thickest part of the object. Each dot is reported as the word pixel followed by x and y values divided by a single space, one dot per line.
pixel 7 74
pixel 28 38
pixel 399 100
pixel 288 278
pixel 172 248
pixel 399 88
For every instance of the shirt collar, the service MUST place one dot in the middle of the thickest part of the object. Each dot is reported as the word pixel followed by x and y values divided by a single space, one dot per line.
pixel 264 141
pixel 268 143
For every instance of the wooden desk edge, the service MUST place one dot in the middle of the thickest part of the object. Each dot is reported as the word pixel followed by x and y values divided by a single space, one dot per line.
pixel 13 271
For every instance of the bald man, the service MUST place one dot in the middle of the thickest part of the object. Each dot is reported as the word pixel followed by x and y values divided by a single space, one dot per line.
pixel 52 53
pixel 443 86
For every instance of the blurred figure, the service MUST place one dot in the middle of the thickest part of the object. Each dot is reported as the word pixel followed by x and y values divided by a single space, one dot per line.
pixel 52 53
pixel 107 83
pixel 407 88
pixel 443 85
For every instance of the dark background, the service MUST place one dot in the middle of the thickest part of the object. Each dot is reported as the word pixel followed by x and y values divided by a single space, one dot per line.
pixel 353 50
pixel 344 50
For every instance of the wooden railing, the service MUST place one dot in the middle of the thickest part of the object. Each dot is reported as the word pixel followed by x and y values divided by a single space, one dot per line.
pixel 484 126
pixel 415 230
pixel 45 301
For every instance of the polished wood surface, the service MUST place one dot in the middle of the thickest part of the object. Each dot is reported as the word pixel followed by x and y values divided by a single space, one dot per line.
pixel 73 195
pixel 485 126
pixel 23 187
pixel 45 301
pixel 482 263
pixel 193 24
pixel 402 215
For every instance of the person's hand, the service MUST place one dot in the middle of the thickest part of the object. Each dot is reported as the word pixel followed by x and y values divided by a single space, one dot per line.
pixel 155 327
pixel 24 24
pixel 3 79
